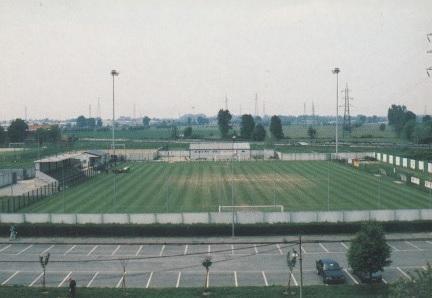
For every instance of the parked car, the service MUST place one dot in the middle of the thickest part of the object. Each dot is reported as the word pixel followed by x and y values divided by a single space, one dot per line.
pixel 366 278
pixel 330 271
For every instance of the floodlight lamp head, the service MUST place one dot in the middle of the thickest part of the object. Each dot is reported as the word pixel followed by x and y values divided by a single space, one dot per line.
pixel 336 70
pixel 114 72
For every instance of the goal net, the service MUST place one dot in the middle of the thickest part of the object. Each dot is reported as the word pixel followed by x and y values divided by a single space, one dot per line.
pixel 251 208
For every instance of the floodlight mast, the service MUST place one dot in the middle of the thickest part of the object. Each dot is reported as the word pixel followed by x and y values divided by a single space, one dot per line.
pixel 336 71
pixel 114 73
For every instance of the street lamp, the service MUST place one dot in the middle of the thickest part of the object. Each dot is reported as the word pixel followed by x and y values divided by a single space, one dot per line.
pixel 336 71
pixel 114 73
pixel 232 187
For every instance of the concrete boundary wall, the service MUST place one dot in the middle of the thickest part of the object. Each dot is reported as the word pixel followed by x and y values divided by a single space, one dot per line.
pixel 240 217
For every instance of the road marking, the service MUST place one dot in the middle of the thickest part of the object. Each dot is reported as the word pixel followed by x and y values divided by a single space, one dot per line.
pixel 186 249
pixel 392 247
pixel 384 281
pixel 424 268
pixel 413 245
pixel 115 250
pixel 209 249
pixel 64 279
pixel 93 249
pixel 344 245
pixel 91 280
pixel 46 250
pixel 119 282
pixel 139 250
pixel 4 248
pixel 36 279
pixel 352 277
pixel 279 248
pixel 265 278
pixel 430 242
pixel 256 249
pixel 162 250
pixel 9 278
pixel 178 280
pixel 69 250
pixel 235 279
pixel 208 279
pixel 403 273
pixel 323 247
pixel 232 249
pixel 303 250
pixel 28 247
pixel 148 282
pixel 294 279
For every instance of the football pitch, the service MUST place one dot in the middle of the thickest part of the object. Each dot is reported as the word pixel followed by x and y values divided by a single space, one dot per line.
pixel 204 186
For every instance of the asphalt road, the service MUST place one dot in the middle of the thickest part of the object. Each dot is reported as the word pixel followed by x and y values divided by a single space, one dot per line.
pixel 151 263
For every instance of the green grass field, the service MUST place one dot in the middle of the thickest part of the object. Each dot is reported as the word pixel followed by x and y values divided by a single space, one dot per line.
pixel 203 186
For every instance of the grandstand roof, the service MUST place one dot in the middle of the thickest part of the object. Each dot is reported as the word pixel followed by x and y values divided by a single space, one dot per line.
pixel 65 156
pixel 220 146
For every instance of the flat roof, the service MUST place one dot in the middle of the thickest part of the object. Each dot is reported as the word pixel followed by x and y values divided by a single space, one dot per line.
pixel 65 156
pixel 220 146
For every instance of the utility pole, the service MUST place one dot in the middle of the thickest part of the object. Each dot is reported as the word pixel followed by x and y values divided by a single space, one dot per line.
pixel 336 71
pixel 304 114
pixel 346 126
pixel 226 102
pixel 313 113
pixel 429 69
pixel 98 108
pixel 256 104
pixel 263 108
pixel 232 188
pixel 114 73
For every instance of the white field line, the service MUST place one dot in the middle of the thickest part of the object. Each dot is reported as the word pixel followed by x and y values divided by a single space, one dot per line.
pixel 413 245
pixel 162 250
pixel 64 279
pixel 294 279
pixel 209 249
pixel 92 250
pixel 119 282
pixel 36 279
pixel 265 278
pixel 186 249
pixel 403 273
pixel 235 279
pixel 115 250
pixel 46 250
pixel 323 247
pixel 69 250
pixel 256 249
pixel 392 247
pixel 149 280
pixel 279 248
pixel 178 279
pixel 93 278
pixel 6 247
pixel 9 278
pixel 139 250
pixel 352 277
pixel 344 245
pixel 384 281
pixel 28 247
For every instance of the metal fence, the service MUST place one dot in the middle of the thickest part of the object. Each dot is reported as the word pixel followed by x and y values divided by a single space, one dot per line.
pixel 12 204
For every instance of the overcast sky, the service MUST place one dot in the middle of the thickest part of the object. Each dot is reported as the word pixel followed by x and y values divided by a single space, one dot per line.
pixel 56 56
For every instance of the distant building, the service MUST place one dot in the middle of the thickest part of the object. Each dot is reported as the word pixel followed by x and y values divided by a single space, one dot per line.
pixel 220 151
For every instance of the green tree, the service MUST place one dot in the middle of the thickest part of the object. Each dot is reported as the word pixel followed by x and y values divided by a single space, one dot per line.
pixel 174 132
pixel 276 127
pixel 409 129
pixel 224 122
pixel 2 135
pixel 419 286
pixel 99 122
pixel 146 122
pixel 369 251
pixel 398 116
pixel 427 119
pixel 17 130
pixel 187 132
pixel 81 122
pixel 207 262
pixel 382 127
pixel 312 132
pixel 259 133
pixel 247 126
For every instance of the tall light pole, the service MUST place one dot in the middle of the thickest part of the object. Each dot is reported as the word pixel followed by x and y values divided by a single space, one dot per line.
pixel 114 73
pixel 232 187
pixel 336 71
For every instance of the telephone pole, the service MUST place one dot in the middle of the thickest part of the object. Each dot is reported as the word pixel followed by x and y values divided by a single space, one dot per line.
pixel 256 104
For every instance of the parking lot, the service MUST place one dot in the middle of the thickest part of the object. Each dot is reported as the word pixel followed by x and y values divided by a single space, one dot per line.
pixel 179 265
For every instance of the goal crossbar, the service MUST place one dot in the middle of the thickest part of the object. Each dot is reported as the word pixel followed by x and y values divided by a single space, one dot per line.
pixel 239 207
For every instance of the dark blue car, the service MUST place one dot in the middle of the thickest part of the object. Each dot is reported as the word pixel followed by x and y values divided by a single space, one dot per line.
pixel 330 271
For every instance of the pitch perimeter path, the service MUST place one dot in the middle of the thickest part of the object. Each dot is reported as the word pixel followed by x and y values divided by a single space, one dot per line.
pixel 176 262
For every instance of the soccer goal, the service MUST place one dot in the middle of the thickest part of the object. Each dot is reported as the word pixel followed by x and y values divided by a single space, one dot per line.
pixel 251 208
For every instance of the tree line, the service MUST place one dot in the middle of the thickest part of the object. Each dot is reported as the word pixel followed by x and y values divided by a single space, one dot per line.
pixel 406 125
pixel 18 132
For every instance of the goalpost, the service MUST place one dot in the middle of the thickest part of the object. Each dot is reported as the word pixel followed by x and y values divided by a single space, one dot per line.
pixel 251 208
